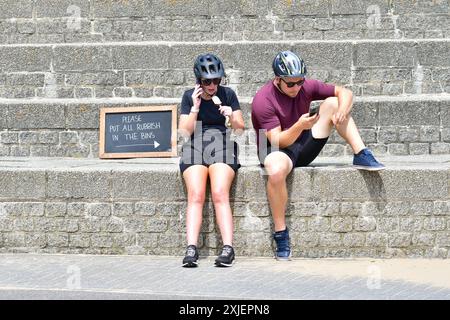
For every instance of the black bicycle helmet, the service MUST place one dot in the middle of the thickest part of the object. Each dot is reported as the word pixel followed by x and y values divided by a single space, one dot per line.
pixel 208 66
pixel 288 65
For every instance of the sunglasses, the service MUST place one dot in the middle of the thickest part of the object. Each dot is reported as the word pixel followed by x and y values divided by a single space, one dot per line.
pixel 207 82
pixel 291 84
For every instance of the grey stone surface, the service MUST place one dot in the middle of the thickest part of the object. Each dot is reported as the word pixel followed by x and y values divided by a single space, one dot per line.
pixel 305 8
pixel 9 137
pixel 445 115
pixel 185 8
pixel 64 8
pixel 399 115
pixel 328 61
pixel 95 185
pixel 433 54
pixel 426 6
pixel 398 149
pixel 145 185
pixel 3 116
pixel 16 79
pixel 28 59
pixel 97 78
pixel 25 182
pixel 419 148
pixel 140 57
pixel 429 134
pixel 384 54
pixel 318 55
pixel 440 148
pixel 16 9
pixel 236 8
pixel 334 210
pixel 358 7
pixel 139 20
pixel 35 116
pixel 113 9
pixel 26 209
pixel 82 58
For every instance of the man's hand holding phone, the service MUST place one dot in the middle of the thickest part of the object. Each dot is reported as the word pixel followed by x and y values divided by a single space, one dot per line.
pixel 314 109
pixel 306 121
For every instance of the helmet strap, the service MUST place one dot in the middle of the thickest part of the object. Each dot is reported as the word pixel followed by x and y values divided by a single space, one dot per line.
pixel 278 84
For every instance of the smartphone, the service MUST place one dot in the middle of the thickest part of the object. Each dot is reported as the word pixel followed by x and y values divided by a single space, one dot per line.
pixel 313 109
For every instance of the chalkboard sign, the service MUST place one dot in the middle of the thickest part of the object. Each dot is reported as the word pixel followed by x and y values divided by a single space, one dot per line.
pixel 134 132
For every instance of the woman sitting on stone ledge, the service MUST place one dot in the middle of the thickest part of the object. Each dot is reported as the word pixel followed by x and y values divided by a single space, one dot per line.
pixel 208 113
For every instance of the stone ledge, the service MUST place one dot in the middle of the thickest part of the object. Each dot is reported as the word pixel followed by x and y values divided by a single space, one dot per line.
pixel 136 206
pixel 69 127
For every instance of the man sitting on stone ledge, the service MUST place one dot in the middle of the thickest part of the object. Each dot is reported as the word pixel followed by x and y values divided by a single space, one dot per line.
pixel 289 136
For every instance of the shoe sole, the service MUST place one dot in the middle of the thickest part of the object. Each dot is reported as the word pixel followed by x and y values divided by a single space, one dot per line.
pixel 368 168
pixel 289 258
pixel 190 265
pixel 221 264
pixel 283 259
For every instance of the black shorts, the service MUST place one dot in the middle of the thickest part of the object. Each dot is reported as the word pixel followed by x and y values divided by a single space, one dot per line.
pixel 219 149
pixel 302 152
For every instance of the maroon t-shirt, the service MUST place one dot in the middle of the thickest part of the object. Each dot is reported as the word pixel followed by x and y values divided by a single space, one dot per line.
pixel 271 108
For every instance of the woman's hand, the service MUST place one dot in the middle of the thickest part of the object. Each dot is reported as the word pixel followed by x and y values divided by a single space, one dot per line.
pixel 196 99
pixel 225 111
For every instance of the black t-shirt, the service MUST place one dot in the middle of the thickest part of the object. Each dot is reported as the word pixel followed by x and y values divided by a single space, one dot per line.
pixel 209 113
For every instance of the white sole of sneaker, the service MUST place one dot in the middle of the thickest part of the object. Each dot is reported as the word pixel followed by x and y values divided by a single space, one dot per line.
pixel 284 259
pixel 368 168
pixel 224 264
pixel 190 265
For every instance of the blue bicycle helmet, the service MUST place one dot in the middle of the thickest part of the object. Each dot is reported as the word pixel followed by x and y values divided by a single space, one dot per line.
pixel 288 65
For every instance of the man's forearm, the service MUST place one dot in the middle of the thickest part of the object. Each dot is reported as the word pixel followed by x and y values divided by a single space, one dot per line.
pixel 288 137
pixel 345 100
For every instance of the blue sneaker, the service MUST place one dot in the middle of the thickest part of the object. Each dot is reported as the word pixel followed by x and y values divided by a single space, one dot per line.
pixel 366 161
pixel 283 251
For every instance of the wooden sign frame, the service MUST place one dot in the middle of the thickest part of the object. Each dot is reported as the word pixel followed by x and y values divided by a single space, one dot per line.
pixel 105 111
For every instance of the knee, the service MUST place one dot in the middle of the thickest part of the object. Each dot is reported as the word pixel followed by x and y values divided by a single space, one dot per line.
pixel 220 195
pixel 329 105
pixel 196 196
pixel 277 173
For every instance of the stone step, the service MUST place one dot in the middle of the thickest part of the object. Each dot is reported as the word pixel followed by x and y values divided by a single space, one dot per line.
pixel 69 127
pixel 103 21
pixel 164 69
pixel 137 206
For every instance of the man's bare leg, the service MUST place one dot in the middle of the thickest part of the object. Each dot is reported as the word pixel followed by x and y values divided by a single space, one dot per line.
pixel 278 166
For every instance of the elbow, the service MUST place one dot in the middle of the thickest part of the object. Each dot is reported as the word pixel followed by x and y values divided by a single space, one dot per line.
pixel 348 94
pixel 239 130
pixel 283 145
pixel 184 131
pixel 344 93
pixel 238 127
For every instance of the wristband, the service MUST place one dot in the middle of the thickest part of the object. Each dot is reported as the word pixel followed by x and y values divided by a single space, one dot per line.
pixel 194 110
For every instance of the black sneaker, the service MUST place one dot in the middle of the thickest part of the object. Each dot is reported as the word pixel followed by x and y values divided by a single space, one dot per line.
pixel 226 258
pixel 190 260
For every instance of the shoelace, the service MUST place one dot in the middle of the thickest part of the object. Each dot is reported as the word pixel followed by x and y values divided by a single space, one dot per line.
pixel 282 245
pixel 190 252
pixel 226 251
